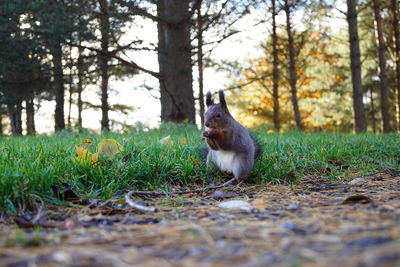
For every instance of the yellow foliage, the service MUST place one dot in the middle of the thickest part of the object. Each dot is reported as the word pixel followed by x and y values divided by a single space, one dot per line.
pixel 106 148
pixel 86 142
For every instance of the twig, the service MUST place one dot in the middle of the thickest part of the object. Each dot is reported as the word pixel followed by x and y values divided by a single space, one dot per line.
pixel 131 203
pixel 136 205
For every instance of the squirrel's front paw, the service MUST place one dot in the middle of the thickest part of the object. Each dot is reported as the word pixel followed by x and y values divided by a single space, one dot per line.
pixel 208 134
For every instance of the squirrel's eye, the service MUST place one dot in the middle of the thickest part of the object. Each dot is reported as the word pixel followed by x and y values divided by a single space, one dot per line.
pixel 219 115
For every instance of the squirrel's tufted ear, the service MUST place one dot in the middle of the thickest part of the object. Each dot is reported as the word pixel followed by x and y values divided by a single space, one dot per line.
pixel 209 100
pixel 222 98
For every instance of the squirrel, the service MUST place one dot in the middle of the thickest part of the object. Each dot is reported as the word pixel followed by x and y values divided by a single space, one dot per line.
pixel 231 148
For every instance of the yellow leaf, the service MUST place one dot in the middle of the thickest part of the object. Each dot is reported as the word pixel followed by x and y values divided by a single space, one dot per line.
pixel 108 148
pixel 86 142
pixel 95 158
pixel 83 155
pixel 259 203
pixel 183 140
pixel 119 201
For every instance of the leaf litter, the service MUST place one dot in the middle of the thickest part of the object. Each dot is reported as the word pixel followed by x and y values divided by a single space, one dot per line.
pixel 313 223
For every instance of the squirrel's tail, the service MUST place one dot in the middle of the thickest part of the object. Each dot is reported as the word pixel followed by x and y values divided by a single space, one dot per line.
pixel 257 146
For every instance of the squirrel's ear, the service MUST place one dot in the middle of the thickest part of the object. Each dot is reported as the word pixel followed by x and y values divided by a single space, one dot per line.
pixel 209 100
pixel 222 98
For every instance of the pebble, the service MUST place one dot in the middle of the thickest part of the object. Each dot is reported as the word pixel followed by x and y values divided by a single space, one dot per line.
pixel 357 181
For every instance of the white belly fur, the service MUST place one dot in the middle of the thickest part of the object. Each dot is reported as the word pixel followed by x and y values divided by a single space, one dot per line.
pixel 225 160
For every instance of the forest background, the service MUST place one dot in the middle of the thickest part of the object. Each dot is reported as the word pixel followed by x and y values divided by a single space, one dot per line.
pixel 285 65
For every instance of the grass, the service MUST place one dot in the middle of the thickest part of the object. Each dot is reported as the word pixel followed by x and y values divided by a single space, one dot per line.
pixel 31 168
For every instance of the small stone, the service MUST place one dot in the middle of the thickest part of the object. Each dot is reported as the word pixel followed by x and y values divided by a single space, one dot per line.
pixel 292 207
pixel 235 204
pixel 357 181
pixel 288 225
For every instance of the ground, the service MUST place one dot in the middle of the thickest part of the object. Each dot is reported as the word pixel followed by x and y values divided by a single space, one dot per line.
pixel 315 222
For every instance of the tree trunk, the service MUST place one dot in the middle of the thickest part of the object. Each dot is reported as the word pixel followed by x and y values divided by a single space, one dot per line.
pixel 292 68
pixel 1 120
pixel 80 87
pixel 59 89
pixel 30 115
pixel 174 58
pixel 200 62
pixel 360 122
pixel 71 89
pixel 382 70
pixel 275 70
pixel 371 97
pixel 14 113
pixel 396 33
pixel 104 29
pixel 1 124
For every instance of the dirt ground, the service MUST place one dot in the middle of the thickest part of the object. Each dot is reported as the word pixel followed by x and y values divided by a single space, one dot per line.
pixel 312 223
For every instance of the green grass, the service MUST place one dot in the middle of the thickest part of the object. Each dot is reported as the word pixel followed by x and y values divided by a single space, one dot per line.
pixel 31 167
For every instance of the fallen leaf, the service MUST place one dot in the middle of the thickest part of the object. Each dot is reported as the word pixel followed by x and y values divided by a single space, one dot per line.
pixel 202 214
pixel 86 143
pixel 108 148
pixel 357 199
pixel 83 155
pixel 259 203
pixel 127 157
pixel 146 220
pixel 25 221
pixel 291 175
pixel 183 140
pixel 120 201
pixel 65 192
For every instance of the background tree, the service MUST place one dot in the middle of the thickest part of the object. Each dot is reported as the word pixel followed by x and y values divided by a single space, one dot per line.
pixel 382 69
pixel 275 66
pixel 394 9
pixel 360 123
pixel 292 64
pixel 174 49
pixel 213 23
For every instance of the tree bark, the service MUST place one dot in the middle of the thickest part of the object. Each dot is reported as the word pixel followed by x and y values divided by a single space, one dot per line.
pixel 275 70
pixel 360 122
pixel 200 62
pixel 56 51
pixel 104 29
pixel 14 113
pixel 174 58
pixel 71 89
pixel 396 33
pixel 1 125
pixel 80 87
pixel 292 68
pixel 1 122
pixel 385 106
pixel 30 115
pixel 371 97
